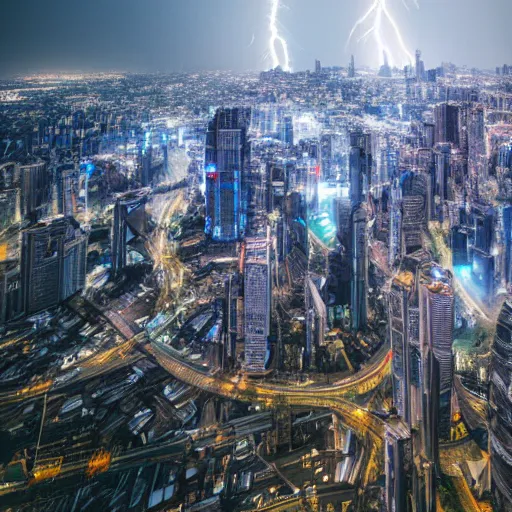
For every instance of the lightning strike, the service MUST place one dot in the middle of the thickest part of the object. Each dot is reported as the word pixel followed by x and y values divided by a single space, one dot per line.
pixel 276 40
pixel 378 13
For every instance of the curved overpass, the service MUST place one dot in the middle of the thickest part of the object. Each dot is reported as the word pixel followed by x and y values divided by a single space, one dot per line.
pixel 360 383
pixel 368 427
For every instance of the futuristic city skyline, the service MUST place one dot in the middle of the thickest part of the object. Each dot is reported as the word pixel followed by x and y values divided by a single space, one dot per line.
pixel 256 255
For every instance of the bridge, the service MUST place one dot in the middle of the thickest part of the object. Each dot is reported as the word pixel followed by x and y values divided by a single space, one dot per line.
pixel 369 428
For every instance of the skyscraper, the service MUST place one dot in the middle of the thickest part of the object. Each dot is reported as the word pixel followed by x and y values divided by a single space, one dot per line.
pixel 53 263
pixel 446 119
pixel 437 308
pixel 420 67
pixel 35 189
pixel 68 188
pixel 129 224
pixel 414 206
pixel 442 157
pixel 398 466
pixel 399 319
pixel 226 160
pixel 257 302
pixel 352 68
pixel 359 279
pixel 357 175
pixel 500 431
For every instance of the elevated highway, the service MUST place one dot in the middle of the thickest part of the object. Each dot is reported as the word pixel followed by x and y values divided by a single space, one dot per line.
pixel 368 427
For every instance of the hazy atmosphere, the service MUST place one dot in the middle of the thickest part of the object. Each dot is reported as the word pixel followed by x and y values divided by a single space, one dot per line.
pixel 185 35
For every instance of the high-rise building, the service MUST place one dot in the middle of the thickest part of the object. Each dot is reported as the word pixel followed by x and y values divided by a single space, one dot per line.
pixel 420 67
pixel 286 131
pixel 414 210
pixel 68 190
pixel 398 466
pixel 446 119
pixel 226 161
pixel 357 175
pixel 442 155
pixel 53 263
pixel 318 66
pixel 352 68
pixel 233 314
pixel 11 304
pixel 129 225
pixel 437 309
pixel 400 299
pixel 395 223
pixel 500 399
pixel 35 186
pixel 257 302
pixel 359 278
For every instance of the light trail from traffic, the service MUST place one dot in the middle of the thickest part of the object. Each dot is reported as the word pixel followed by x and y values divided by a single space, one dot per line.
pixel 367 426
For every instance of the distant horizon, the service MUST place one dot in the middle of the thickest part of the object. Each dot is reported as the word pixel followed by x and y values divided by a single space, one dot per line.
pixel 174 36
pixel 77 72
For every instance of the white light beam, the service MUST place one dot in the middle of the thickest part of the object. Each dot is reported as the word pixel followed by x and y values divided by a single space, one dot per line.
pixel 377 13
pixel 276 40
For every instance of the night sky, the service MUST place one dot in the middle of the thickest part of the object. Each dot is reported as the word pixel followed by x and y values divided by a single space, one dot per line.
pixel 187 35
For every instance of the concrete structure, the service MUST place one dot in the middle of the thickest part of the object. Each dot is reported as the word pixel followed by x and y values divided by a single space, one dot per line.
pixel 257 302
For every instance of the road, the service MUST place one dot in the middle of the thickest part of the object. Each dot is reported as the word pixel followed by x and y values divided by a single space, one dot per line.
pixel 473 409
pixel 368 427
pixel 360 383
pixel 132 458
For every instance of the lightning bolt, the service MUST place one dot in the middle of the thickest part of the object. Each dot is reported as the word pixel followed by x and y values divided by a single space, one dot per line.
pixel 376 14
pixel 276 40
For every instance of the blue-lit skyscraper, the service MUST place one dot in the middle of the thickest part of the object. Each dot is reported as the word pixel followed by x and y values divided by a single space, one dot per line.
pixel 226 159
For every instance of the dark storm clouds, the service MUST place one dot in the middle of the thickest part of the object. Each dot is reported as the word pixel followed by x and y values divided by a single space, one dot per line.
pixel 175 35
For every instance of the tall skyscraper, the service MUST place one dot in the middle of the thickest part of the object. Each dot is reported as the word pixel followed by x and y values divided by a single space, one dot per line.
pixel 68 190
pixel 400 298
pixel 358 176
pixel 352 68
pixel 414 210
pixel 442 157
pixel 257 302
pixel 129 225
pixel 226 161
pixel 446 119
pixel 53 263
pixel 501 411
pixel 398 466
pixel 420 67
pixel 35 186
pixel 359 279
pixel 437 309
